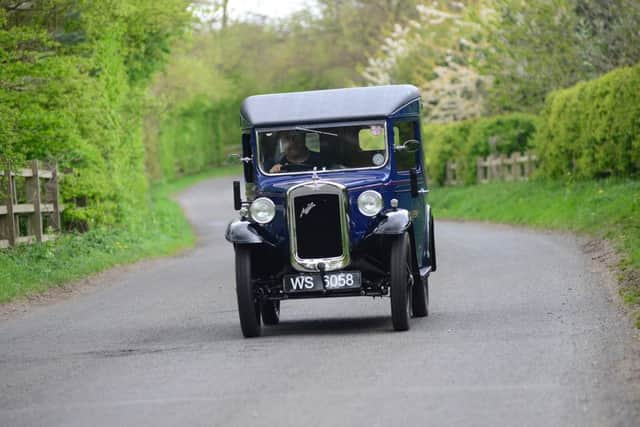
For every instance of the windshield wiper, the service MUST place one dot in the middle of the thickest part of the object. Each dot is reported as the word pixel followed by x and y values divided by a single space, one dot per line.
pixel 315 131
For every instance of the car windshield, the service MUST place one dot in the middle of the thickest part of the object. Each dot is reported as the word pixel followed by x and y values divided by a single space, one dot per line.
pixel 327 147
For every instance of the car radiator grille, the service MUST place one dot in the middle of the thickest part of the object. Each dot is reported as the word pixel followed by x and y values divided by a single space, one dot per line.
pixel 317 226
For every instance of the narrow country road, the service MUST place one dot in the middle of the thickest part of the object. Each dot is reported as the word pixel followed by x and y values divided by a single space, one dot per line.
pixel 521 332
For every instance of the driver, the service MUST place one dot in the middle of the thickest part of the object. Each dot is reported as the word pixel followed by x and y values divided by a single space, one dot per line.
pixel 297 156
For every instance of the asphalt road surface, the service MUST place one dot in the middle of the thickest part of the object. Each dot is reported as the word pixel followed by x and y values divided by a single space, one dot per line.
pixel 521 333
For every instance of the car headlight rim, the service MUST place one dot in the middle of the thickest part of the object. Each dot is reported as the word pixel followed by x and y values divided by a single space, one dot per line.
pixel 370 203
pixel 262 210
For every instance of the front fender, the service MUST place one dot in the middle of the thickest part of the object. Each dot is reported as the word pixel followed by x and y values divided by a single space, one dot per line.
pixel 393 222
pixel 243 232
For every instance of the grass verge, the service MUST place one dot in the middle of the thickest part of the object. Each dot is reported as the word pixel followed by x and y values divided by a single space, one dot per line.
pixel 162 231
pixel 608 209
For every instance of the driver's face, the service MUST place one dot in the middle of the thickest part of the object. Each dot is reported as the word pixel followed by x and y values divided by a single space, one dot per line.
pixel 295 147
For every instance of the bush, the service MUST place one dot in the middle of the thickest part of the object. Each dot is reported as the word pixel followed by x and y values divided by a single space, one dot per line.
pixel 592 129
pixel 465 141
pixel 443 143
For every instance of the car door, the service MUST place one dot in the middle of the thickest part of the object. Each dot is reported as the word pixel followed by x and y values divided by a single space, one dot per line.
pixel 409 175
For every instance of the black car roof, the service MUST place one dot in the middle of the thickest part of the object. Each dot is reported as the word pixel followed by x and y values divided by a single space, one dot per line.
pixel 326 105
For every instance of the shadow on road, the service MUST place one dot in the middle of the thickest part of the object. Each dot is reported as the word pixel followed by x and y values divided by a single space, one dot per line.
pixel 356 325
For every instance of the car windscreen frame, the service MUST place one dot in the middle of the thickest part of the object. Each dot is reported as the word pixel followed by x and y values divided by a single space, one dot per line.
pixel 319 126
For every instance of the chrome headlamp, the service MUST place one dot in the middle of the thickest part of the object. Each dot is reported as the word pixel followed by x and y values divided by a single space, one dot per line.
pixel 370 203
pixel 262 210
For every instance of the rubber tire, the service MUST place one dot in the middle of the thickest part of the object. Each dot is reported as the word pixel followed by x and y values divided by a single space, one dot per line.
pixel 432 244
pixel 420 300
pixel 271 312
pixel 399 282
pixel 248 308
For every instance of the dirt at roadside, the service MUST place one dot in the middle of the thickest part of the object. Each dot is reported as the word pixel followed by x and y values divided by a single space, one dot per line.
pixel 606 260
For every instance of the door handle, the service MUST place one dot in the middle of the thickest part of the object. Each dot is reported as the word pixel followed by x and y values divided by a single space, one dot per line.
pixel 422 191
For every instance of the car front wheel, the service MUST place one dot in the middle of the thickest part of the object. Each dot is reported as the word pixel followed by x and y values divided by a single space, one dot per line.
pixel 420 300
pixel 248 306
pixel 271 312
pixel 401 279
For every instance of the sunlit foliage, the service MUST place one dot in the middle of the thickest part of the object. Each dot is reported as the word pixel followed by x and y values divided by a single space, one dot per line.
pixel 73 75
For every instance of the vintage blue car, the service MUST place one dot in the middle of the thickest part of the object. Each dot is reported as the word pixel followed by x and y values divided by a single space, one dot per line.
pixel 335 202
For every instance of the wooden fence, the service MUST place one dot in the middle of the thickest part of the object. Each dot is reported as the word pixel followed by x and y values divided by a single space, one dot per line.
pixel 29 204
pixel 517 167
pixel 452 174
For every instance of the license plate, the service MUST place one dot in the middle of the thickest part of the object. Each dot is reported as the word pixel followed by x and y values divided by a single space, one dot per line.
pixel 316 282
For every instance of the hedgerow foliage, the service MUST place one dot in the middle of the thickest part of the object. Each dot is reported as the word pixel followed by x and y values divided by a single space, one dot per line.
pixel 73 79
pixel 195 119
pixel 193 138
pixel 465 141
pixel 593 129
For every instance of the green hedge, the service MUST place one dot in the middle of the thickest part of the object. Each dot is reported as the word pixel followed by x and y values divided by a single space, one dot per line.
pixel 193 138
pixel 465 141
pixel 592 129
pixel 73 88
pixel 442 143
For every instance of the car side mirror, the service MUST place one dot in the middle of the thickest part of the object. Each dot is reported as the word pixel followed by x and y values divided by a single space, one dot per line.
pixel 409 146
pixel 237 158
pixel 233 159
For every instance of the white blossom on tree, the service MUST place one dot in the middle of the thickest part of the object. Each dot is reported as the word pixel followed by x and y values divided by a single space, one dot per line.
pixel 435 52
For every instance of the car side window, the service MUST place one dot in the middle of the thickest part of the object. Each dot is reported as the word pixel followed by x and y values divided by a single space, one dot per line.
pixel 402 132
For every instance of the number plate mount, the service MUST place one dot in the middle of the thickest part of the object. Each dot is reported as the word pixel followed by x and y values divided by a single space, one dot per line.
pixel 334 281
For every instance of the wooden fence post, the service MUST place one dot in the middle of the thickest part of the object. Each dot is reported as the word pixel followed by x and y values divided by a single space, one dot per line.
pixel 494 169
pixel 55 199
pixel 532 159
pixel 33 197
pixel 506 167
pixel 503 167
pixel 10 224
pixel 526 167
pixel 4 234
pixel 515 166
pixel 452 173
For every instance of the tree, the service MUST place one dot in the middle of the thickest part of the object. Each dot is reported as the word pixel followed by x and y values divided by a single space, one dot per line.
pixel 539 46
pixel 436 52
